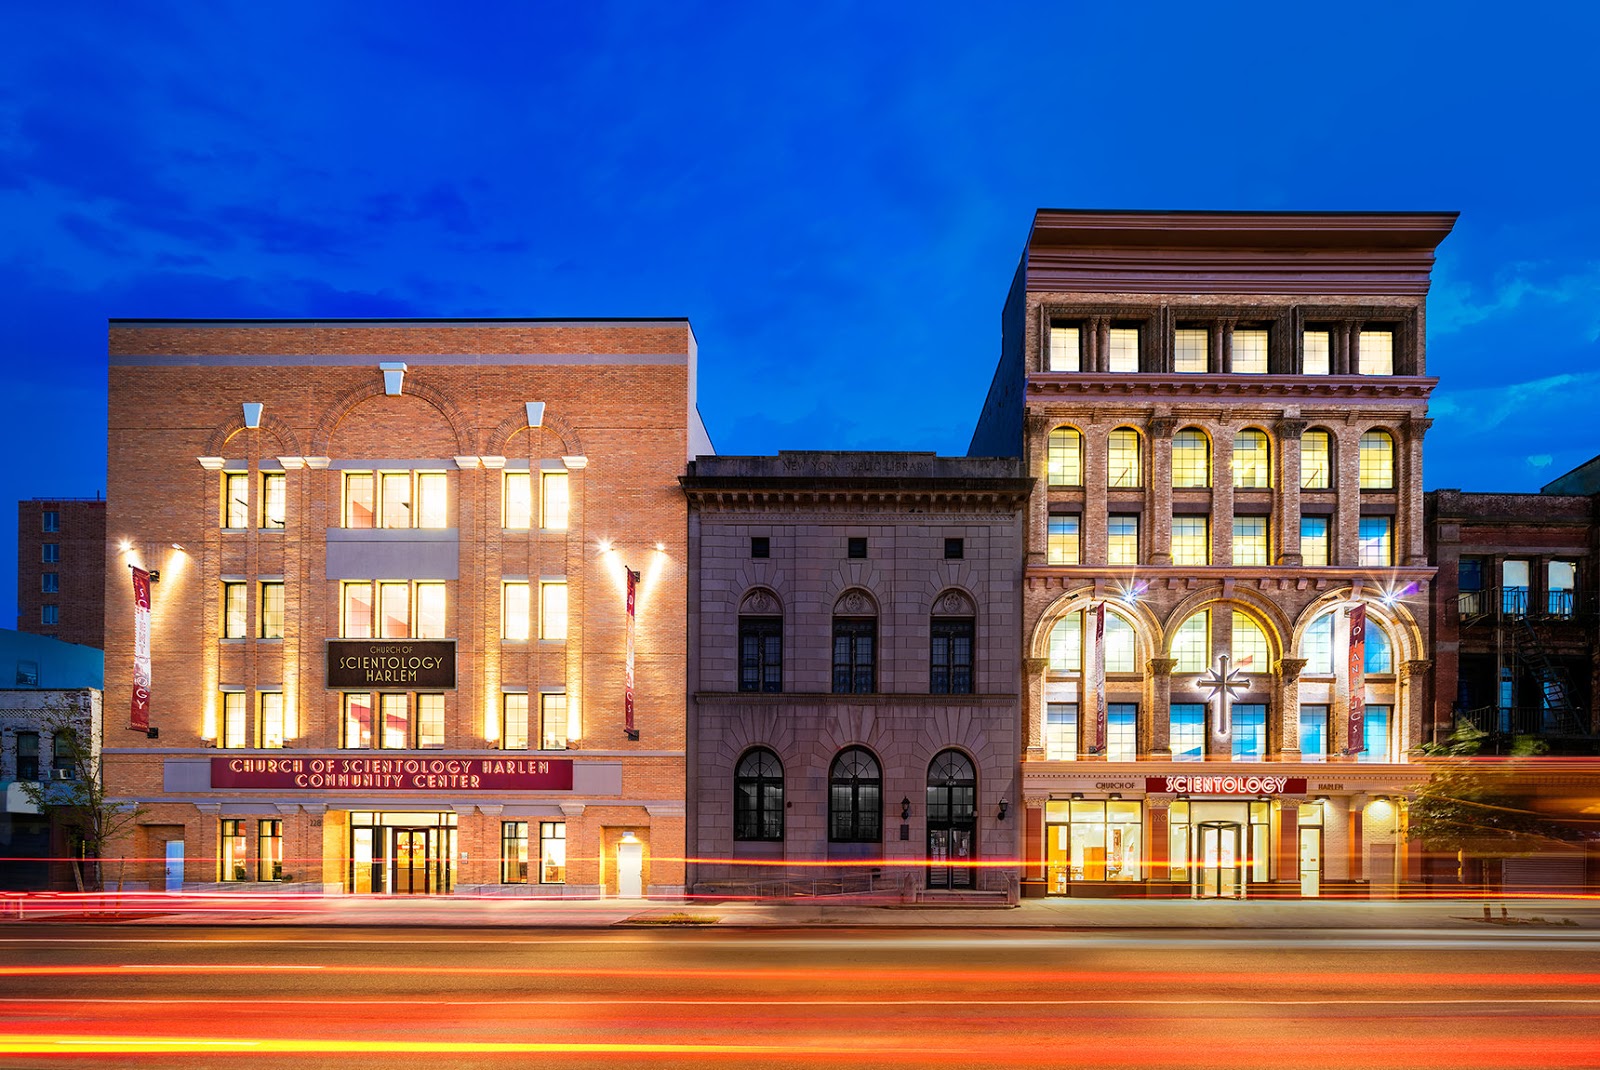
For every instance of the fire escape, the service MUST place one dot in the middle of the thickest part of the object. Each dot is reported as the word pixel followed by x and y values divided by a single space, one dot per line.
pixel 1520 630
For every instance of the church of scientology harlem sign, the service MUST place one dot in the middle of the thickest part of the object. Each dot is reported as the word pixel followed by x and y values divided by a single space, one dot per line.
pixel 359 664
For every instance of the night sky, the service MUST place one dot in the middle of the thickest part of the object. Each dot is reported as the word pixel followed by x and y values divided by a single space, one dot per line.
pixel 835 195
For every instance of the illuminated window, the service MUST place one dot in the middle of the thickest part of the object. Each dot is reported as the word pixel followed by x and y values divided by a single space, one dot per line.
pixel 1061 542
pixel 1188 732
pixel 1065 349
pixel 396 500
pixel 1093 840
pixel 394 610
pixel 1252 459
pixel 552 852
pixel 274 500
pixel 1561 579
pixel 1314 544
pixel 1122 539
pixel 394 496
pixel 758 796
pixel 517 494
pixel 855 798
pixel 854 662
pixel 235 499
pixel 555 501
pixel 1191 350
pixel 1375 539
pixel 1249 649
pixel 1313 733
pixel 233 865
pixel 1121 648
pixel 553 721
pixel 360 495
pixel 1126 468
pixel 1316 460
pixel 514 721
pixel 1191 540
pixel 358 721
pixel 1123 354
pixel 1250 541
pixel 271 610
pixel 269 714
pixel 513 851
pixel 553 609
pixel 1122 744
pixel 515 612
pixel 1316 646
pixel 432 500
pixel 1249 351
pixel 1375 352
pixel 396 713
pixel 235 724
pixel 430 611
pixel 235 620
pixel 950 657
pixel 1249 732
pixel 1377 461
pixel 1066 644
pixel 761 654
pixel 1376 745
pixel 1378 656
pixel 356 611
pixel 1316 353
pixel 1065 461
pixel 1061 731
pixel 1191 644
pixel 430 722
pixel 269 849
pixel 1191 459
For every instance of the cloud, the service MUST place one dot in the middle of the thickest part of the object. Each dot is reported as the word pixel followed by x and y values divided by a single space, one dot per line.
pixel 1455 305
pixel 1540 460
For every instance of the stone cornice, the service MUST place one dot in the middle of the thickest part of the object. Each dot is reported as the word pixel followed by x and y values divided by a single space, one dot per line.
pixel 964 496
pixel 1148 387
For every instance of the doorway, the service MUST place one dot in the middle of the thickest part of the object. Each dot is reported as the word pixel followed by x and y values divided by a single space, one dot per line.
pixel 952 820
pixel 412 861
pixel 402 853
pixel 172 873
pixel 1311 862
pixel 1219 872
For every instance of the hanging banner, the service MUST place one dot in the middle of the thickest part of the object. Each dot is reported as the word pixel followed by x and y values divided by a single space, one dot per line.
pixel 1355 740
pixel 627 677
pixel 139 715
pixel 1097 679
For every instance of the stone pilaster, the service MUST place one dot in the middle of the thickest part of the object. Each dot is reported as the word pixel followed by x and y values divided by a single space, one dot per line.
pixel 1037 449
pixel 1157 729
pixel 1286 522
pixel 1414 710
pixel 1158 496
pixel 1286 685
pixel 1033 712
pixel 1222 497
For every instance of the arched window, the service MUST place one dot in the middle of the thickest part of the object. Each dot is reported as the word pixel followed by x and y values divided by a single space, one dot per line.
pixel 1250 650
pixel 1191 643
pixel 855 798
pixel 1072 639
pixel 1316 460
pixel 1126 465
pixel 1379 658
pixel 1065 457
pixel 1191 459
pixel 1252 461
pixel 758 796
pixel 1377 461
pixel 952 812
pixel 1316 646
pixel 1066 644
pixel 855 640
pixel 951 632
pixel 761 643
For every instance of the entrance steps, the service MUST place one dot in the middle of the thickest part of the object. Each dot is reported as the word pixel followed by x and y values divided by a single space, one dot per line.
pixel 965 898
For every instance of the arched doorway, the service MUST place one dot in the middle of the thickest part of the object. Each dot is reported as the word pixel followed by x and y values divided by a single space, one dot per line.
pixel 952 808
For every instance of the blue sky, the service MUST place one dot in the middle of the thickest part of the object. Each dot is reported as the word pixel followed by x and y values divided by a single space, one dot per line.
pixel 834 194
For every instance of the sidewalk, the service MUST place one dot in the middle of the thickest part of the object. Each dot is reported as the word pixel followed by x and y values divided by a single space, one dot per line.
pixel 1542 916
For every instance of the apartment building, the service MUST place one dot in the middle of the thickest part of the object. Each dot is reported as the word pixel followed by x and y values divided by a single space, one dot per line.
pixel 61 569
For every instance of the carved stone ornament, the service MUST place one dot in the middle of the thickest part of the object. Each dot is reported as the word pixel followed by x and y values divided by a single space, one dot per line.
pixel 760 602
pixel 954 604
pixel 853 602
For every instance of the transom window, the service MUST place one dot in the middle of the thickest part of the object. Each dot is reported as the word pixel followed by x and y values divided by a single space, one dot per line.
pixel 392 609
pixel 395 500
pixel 1191 540
pixel 1122 354
pixel 758 796
pixel 1252 459
pixel 1065 461
pixel 1377 461
pixel 1191 349
pixel 1191 459
pixel 1123 453
pixel 1065 348
pixel 855 798
pixel 1375 352
pixel 1249 351
pixel 1316 460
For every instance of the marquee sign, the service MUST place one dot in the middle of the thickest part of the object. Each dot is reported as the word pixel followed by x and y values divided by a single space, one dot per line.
pixel 394 774
pixel 397 664
pixel 1225 785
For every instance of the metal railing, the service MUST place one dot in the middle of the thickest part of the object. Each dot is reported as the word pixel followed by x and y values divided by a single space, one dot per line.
pixel 1515 602
pixel 1525 721
pixel 802 887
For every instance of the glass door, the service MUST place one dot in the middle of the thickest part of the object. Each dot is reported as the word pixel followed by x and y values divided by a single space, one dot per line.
pixel 952 820
pixel 1219 871
pixel 411 860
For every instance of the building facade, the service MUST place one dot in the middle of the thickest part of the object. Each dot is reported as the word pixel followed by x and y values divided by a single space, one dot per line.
pixel 1224 611
pixel 61 569
pixel 853 629
pixel 418 605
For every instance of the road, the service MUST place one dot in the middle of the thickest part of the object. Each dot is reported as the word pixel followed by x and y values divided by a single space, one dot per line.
pixel 349 998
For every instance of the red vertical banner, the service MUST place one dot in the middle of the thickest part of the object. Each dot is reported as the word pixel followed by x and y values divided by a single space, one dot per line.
pixel 627 677
pixel 1355 740
pixel 1097 670
pixel 139 715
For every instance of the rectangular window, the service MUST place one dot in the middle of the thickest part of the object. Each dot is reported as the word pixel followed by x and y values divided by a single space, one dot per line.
pixel 394 498
pixel 1316 646
pixel 1249 351
pixel 515 614
pixel 234 865
pixel 1064 457
pixel 761 654
pixel 1514 579
pixel 269 849
pixel 1066 644
pixel 430 611
pixel 1191 540
pixel 236 499
pixel 269 719
pixel 517 494
pixel 760 546
pixel 1316 460
pixel 553 609
pixel 1065 350
pixel 1375 350
pixel 50 583
pixel 433 500
pixel 360 499
pixel 1375 540
pixel 28 756
pixel 955 549
pixel 513 852
pixel 1561 579
pixel 514 721
pixel 358 721
pixel 1249 732
pixel 1316 353
pixel 1191 350
pixel 854 663
pixel 1061 542
pixel 1314 544
pixel 1375 461
pixel 555 508
pixel 50 553
pixel 1094 841
pixel 1123 352
pixel 271 610
pixel 1122 742
pixel 396 711
pixel 235 729
pixel 1191 646
pixel 356 611
pixel 49 614
pixel 235 621
pixel 394 610
pixel 1314 732
pixel 553 721
pixel 1188 732
pixel 274 500
pixel 1122 539
pixel 430 722
pixel 1472 600
pixel 855 547
pixel 1376 745
pixel 50 519
pixel 1125 468
pixel 1061 731
pixel 1250 541
pixel 951 670
pixel 552 852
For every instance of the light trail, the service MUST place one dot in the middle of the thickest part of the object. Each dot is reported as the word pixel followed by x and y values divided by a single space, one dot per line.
pixel 1198 1001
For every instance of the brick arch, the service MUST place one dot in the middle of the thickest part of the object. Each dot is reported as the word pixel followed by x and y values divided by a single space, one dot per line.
pixel 500 437
pixel 1405 635
pixel 1276 626
pixel 281 432
pixel 1145 625
pixel 415 386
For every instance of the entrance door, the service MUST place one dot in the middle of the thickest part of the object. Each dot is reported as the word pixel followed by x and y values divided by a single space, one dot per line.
pixel 173 872
pixel 1219 873
pixel 411 860
pixel 630 870
pixel 952 820
pixel 1310 862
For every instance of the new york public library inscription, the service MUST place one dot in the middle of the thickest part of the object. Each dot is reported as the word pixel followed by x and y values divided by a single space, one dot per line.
pixel 394 774
pixel 380 663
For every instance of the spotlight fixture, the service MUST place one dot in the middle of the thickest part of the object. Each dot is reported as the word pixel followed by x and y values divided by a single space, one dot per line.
pixel 1077 795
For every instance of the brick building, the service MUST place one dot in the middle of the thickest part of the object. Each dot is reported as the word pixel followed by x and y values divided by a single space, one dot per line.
pixel 390 636
pixel 61 569
pixel 854 672
pixel 1224 416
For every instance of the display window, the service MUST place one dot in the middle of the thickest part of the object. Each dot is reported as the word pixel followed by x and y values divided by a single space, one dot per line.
pixel 1093 840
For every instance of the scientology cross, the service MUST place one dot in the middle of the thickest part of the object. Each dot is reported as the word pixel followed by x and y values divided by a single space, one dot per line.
pixel 1225 685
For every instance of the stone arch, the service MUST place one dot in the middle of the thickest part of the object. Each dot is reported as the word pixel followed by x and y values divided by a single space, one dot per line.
pixel 287 444
pixel 1145 626
pixel 856 602
pixel 954 602
pixel 850 573
pixel 761 602
pixel 571 445
pixel 1274 624
pixel 1405 634
pixel 416 385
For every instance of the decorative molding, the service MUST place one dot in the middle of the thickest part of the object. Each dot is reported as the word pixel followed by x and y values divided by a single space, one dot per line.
pixel 492 461
pixel 292 464
pixel 318 462
pixel 212 464
pixel 468 462
pixel 575 462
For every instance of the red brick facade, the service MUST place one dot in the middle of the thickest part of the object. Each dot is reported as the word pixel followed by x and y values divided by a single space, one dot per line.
pixel 61 567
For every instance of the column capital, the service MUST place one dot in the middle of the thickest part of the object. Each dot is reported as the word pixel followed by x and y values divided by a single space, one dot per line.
pixel 1161 426
pixel 1289 669
pixel 1417 667
pixel 1162 666
pixel 1036 664
pixel 1288 428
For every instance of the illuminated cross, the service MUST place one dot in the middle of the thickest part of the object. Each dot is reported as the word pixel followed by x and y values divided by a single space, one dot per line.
pixel 1225 685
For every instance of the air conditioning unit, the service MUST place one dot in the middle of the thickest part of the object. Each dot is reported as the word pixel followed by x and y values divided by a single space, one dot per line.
pixel 64 774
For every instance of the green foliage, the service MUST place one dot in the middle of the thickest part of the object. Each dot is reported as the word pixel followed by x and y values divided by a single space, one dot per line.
pixel 1476 805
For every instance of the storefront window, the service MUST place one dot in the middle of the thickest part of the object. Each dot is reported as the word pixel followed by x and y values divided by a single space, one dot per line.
pixel 1178 841
pixel 513 852
pixel 552 852
pixel 1093 840
pixel 1260 840
pixel 269 849
pixel 233 850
